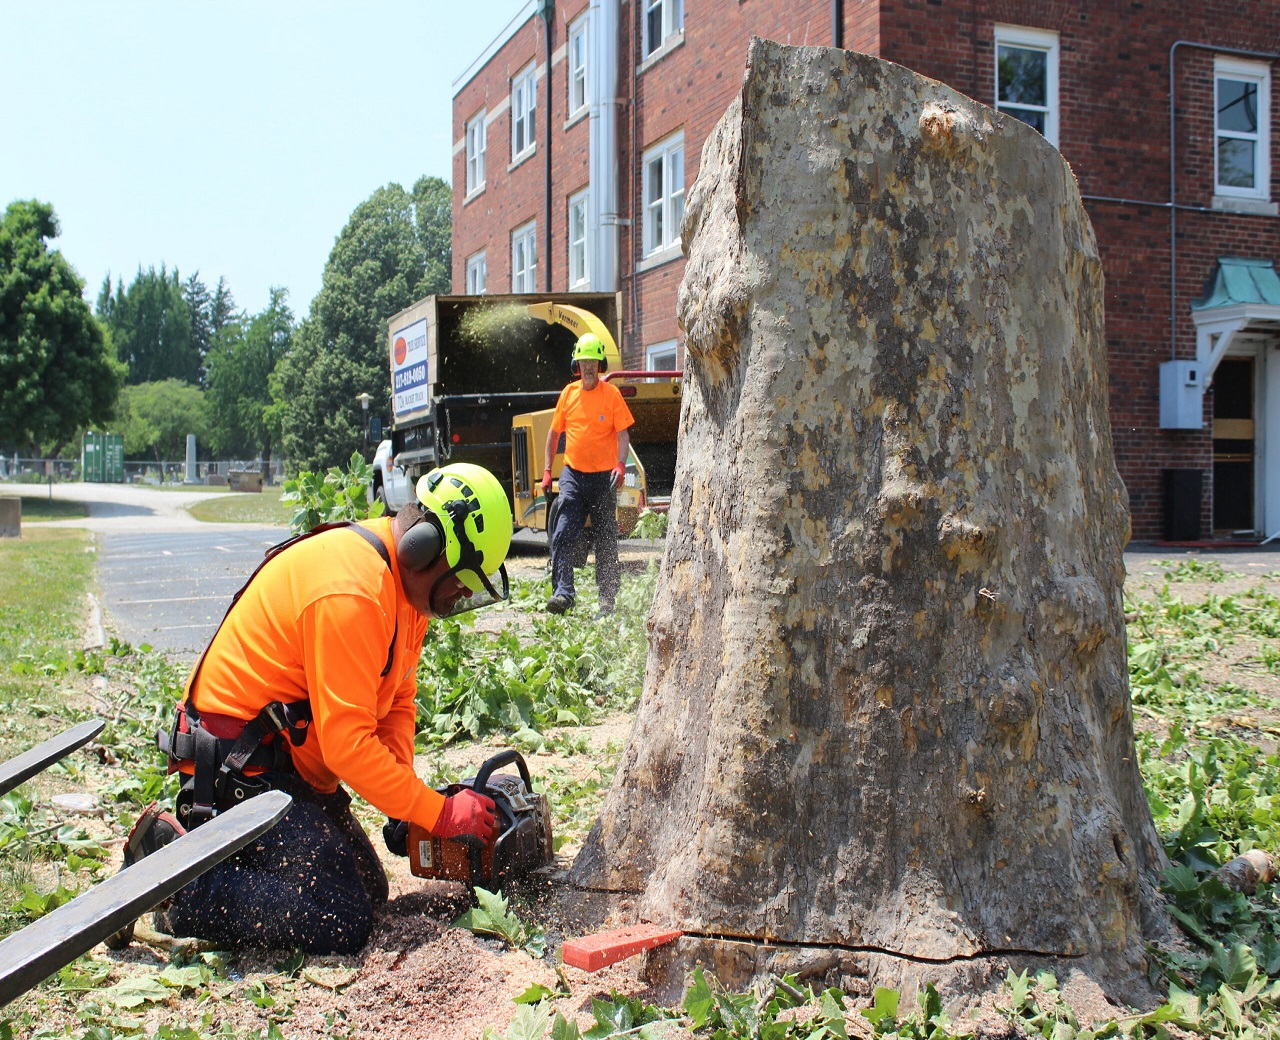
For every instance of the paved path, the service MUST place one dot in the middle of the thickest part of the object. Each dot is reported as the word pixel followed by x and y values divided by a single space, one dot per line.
pixel 164 578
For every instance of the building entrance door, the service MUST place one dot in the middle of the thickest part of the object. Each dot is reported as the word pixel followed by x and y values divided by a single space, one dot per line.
pixel 1233 446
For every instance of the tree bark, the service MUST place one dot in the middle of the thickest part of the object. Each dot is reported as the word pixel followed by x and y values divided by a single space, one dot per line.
pixel 886 718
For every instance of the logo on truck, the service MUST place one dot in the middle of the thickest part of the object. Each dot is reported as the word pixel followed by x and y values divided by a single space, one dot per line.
pixel 409 368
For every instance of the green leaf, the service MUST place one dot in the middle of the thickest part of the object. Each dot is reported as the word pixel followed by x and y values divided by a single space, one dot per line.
pixel 535 993
pixel 883 1013
pixel 136 991
pixel 563 1029
pixel 699 1000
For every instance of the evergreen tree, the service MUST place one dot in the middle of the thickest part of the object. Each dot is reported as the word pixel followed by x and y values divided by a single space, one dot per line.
pixel 150 325
pixel 243 358
pixel 199 305
pixel 223 309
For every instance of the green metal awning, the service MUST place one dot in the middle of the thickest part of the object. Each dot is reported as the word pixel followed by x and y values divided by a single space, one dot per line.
pixel 1241 281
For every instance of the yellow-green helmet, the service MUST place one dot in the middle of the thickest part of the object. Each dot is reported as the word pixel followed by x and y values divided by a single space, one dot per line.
pixel 589 348
pixel 475 515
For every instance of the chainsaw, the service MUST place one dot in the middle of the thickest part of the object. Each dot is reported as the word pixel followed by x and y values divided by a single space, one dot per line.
pixel 523 842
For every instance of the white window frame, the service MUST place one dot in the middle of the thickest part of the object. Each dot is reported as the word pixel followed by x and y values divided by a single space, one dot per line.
pixel 477 274
pixel 579 84
pixel 667 348
pixel 524 258
pixel 1252 72
pixel 524 111
pixel 579 256
pixel 662 214
pixel 1032 40
pixel 475 154
pixel 671 15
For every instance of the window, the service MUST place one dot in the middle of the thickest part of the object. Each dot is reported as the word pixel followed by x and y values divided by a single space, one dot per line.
pixel 662 19
pixel 578 66
pixel 1027 77
pixel 578 272
pixel 524 108
pixel 661 357
pixel 475 154
pixel 663 194
pixel 1242 103
pixel 524 258
pixel 477 272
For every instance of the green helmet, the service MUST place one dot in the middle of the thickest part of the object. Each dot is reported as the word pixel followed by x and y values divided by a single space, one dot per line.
pixel 589 348
pixel 474 514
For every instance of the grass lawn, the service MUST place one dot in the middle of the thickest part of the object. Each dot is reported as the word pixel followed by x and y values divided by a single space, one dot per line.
pixel 244 508
pixel 37 505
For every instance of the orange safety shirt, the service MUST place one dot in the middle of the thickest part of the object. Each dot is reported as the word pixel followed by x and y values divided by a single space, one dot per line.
pixel 315 624
pixel 591 421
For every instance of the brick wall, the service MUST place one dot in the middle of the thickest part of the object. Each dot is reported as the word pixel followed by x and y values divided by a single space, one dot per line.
pixel 1113 102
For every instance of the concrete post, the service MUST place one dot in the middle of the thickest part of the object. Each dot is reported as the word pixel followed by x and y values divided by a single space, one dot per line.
pixel 10 517
pixel 191 477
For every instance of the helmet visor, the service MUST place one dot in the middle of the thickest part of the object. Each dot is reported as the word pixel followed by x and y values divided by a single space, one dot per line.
pixel 485 596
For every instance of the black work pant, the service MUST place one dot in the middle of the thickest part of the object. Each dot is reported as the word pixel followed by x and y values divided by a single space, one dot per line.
pixel 585 495
pixel 310 883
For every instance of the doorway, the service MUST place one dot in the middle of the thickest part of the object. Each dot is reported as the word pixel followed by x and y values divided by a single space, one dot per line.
pixel 1233 447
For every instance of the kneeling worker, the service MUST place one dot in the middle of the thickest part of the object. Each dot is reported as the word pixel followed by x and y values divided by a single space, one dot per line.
pixel 310 681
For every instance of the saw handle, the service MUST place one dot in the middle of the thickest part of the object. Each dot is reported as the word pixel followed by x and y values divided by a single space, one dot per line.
pixel 503 758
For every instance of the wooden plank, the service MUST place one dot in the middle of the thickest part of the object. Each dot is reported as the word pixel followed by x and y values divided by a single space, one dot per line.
pixel 593 952
pixel 40 949
pixel 29 763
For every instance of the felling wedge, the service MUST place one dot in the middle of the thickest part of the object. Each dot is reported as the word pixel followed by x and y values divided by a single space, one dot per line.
pixel 593 952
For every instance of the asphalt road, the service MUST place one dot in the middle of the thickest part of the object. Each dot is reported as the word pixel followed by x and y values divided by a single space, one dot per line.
pixel 170 591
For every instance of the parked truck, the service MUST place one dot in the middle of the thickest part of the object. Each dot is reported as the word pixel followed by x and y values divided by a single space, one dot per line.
pixel 472 375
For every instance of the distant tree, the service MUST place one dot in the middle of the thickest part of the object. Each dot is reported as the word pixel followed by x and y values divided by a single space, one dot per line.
pixel 150 324
pixel 393 251
pixel 56 374
pixel 241 361
pixel 223 309
pixel 199 306
pixel 433 209
pixel 156 417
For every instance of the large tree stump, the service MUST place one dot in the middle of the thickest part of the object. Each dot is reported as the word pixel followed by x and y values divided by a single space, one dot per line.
pixel 886 718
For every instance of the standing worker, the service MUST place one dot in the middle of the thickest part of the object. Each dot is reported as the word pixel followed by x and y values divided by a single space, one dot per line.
pixel 594 420
pixel 311 681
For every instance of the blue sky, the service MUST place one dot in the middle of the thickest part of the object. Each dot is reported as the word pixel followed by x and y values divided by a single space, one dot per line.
pixel 231 137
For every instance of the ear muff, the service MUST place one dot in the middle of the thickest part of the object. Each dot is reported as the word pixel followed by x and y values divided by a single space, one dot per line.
pixel 604 366
pixel 421 545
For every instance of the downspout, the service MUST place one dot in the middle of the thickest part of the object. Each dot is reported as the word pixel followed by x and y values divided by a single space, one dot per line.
pixel 547 12
pixel 837 23
pixel 1173 178
pixel 602 200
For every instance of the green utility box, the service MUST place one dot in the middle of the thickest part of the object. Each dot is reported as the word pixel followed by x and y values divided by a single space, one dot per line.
pixel 102 457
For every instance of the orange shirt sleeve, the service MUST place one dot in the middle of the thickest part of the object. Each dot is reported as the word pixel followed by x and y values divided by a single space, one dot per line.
pixel 559 422
pixel 344 656
pixel 398 725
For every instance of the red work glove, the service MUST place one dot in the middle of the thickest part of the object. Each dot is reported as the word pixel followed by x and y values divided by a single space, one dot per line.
pixel 546 481
pixel 466 813
pixel 619 474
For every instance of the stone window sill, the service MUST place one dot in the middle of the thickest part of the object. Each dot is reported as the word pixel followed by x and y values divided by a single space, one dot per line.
pixel 1253 207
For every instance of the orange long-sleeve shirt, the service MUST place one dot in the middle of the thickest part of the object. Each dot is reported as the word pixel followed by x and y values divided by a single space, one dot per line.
pixel 315 624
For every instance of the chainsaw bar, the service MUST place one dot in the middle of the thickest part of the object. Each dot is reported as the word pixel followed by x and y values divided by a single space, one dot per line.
pixel 58 938
pixel 29 763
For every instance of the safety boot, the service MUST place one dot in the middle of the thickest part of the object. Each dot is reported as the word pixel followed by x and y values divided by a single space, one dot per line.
pixel 154 829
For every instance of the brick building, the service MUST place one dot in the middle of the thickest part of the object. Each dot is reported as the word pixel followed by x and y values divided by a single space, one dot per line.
pixel 579 129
